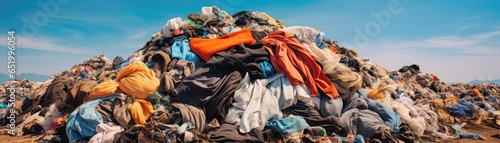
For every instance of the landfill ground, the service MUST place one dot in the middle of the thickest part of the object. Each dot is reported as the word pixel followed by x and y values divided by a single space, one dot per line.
pixel 488 132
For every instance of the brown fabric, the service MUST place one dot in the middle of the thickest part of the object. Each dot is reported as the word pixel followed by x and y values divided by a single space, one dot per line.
pixel 180 69
pixel 230 133
pixel 115 110
pixel 191 114
pixel 80 91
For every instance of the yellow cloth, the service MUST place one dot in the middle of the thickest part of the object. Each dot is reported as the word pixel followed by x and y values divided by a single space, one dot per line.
pixel 377 94
pixel 140 111
pixel 135 79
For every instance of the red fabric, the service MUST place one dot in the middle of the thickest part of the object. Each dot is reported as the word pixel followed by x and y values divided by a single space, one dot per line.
pixel 206 48
pixel 298 63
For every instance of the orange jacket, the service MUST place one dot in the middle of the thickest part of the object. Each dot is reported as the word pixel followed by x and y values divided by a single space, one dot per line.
pixel 298 63
pixel 206 48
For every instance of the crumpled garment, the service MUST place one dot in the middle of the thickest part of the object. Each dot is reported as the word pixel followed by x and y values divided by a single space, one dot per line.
pixel 307 35
pixel 229 133
pixel 116 109
pixel 206 48
pixel 462 109
pixel 288 125
pixel 136 80
pixel 254 104
pixel 361 121
pixel 80 91
pixel 158 60
pixel 181 50
pixel 328 106
pixel 179 69
pixel 313 118
pixel 82 122
pixel 105 133
pixel 377 94
pixel 345 80
pixel 191 114
pixel 267 69
pixel 172 24
pixel 476 92
pixel 298 63
pixel 385 112
pixel 51 114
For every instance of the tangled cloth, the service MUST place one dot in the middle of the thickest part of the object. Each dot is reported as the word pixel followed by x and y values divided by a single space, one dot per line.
pixel 298 63
pixel 136 80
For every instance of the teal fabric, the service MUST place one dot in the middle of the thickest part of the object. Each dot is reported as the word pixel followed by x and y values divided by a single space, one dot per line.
pixel 181 50
pixel 288 125
pixel 83 121
pixel 267 69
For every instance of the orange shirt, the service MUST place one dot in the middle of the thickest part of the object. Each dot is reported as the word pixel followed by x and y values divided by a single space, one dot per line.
pixel 298 63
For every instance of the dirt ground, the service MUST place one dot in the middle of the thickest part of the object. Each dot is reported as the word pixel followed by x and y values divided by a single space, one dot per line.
pixel 485 131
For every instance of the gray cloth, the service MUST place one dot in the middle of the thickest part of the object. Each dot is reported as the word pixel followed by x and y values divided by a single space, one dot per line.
pixel 328 106
pixel 364 122
pixel 191 114
pixel 179 69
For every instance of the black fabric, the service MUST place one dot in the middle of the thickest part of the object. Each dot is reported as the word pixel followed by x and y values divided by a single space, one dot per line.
pixel 243 17
pixel 404 69
pixel 331 123
pixel 405 134
pixel 212 86
pixel 230 133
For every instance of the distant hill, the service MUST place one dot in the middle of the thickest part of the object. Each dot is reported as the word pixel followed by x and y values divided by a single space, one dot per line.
pixel 4 77
pixel 497 81
pixel 30 76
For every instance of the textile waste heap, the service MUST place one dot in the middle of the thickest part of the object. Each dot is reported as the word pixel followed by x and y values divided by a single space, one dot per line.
pixel 213 77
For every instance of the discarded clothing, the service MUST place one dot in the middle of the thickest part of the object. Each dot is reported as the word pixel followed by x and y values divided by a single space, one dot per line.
pixel 361 121
pixel 267 69
pixel 83 121
pixel 288 125
pixel 307 35
pixel 205 48
pixel 462 109
pixel 313 118
pixel 191 114
pixel 212 86
pixel 386 113
pixel 116 110
pixel 136 80
pixel 229 133
pixel 105 133
pixel 181 50
pixel 297 63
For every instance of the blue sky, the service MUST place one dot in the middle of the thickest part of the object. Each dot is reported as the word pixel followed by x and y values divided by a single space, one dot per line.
pixel 459 40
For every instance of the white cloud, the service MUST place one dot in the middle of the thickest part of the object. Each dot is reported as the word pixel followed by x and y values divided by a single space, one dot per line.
pixel 43 43
pixel 467 26
pixel 484 43
pixel 453 58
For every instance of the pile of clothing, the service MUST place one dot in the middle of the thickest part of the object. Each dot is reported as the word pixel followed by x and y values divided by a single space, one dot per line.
pixel 246 77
